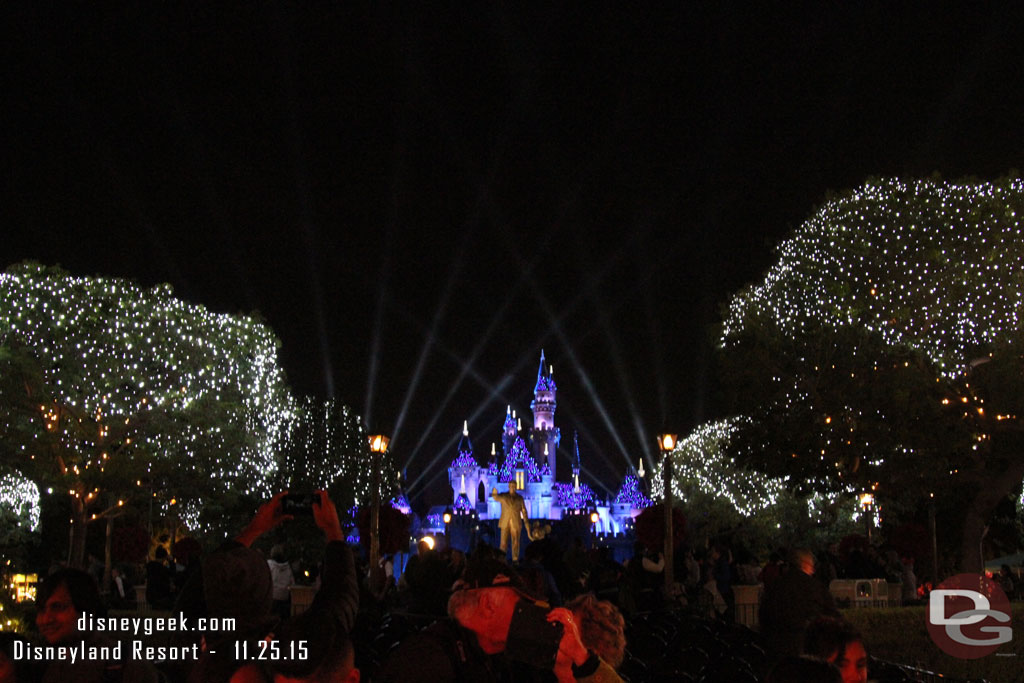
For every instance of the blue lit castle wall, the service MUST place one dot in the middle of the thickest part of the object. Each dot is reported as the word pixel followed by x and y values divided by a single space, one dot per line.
pixel 533 467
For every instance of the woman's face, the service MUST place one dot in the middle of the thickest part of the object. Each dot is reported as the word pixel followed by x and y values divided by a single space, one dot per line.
pixel 853 664
pixel 57 618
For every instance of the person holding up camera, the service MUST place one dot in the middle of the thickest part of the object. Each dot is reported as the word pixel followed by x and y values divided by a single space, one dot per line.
pixel 496 632
pixel 235 582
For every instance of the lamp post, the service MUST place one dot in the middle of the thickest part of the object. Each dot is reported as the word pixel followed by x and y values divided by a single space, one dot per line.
pixel 447 517
pixel 667 444
pixel 867 502
pixel 378 446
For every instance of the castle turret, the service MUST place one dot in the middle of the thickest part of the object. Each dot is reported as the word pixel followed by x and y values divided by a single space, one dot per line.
pixel 545 435
pixel 464 470
pixel 509 432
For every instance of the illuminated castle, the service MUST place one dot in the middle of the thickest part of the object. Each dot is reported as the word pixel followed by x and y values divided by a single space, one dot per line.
pixel 533 466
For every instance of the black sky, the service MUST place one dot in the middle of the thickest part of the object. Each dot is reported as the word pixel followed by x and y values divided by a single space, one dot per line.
pixel 419 200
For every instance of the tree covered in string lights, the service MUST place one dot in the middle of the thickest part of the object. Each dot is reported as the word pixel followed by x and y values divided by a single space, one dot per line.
pixel 703 468
pixel 19 519
pixel 722 494
pixel 882 351
pixel 324 446
pixel 111 392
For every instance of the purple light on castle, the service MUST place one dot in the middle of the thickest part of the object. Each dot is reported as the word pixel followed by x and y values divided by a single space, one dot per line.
pixel 632 494
pixel 464 460
pixel 567 497
pixel 519 458
pixel 546 384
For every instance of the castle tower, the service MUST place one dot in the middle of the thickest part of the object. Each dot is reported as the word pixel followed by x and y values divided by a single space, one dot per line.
pixel 545 435
pixel 464 472
pixel 509 432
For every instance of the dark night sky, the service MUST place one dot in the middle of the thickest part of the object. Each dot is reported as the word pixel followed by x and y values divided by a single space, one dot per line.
pixel 418 201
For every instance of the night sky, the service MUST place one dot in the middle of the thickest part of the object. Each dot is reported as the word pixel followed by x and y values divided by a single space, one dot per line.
pixel 419 200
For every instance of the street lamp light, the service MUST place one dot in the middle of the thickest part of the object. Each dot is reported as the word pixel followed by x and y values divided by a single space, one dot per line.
pixel 667 444
pixel 447 517
pixel 867 502
pixel 379 446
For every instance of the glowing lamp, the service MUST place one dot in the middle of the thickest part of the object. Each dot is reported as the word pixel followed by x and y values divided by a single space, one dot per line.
pixel 379 443
pixel 667 442
pixel 24 586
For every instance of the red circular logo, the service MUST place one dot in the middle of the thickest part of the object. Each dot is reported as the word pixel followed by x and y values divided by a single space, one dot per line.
pixel 968 616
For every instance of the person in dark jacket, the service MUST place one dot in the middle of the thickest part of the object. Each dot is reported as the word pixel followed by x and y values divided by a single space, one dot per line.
pixel 791 602
pixel 159 581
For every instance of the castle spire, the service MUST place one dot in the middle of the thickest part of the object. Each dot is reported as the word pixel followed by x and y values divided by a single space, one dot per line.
pixel 465 445
pixel 545 381
pixel 576 451
pixel 508 432
pixel 543 406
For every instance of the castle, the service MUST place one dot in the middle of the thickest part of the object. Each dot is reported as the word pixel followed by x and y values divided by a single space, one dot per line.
pixel 532 465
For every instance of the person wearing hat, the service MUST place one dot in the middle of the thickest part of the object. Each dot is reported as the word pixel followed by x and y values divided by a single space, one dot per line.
pixel 472 645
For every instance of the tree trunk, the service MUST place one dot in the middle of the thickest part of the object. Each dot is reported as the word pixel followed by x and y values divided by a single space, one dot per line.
pixel 992 491
pixel 107 555
pixel 76 554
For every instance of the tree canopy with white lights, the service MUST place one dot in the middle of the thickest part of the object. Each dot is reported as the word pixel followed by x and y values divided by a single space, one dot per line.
pixel 324 446
pixel 882 351
pixel 110 391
